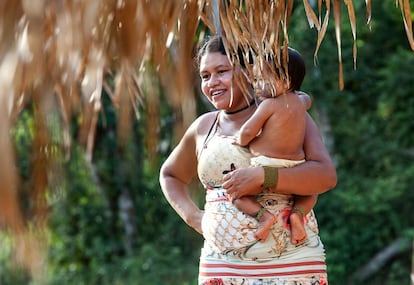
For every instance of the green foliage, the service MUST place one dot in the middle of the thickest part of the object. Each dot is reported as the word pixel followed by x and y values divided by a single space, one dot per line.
pixel 152 264
pixel 10 273
pixel 85 249
pixel 80 223
pixel 395 81
pixel 92 247
pixel 372 125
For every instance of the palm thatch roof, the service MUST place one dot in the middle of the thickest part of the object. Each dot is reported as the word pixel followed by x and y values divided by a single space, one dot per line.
pixel 58 56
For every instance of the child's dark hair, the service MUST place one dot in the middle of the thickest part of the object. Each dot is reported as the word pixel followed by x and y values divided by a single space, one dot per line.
pixel 296 69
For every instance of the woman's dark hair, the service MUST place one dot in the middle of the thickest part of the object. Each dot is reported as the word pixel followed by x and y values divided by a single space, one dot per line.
pixel 209 45
pixel 215 44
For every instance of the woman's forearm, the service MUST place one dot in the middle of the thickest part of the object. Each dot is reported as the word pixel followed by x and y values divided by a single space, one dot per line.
pixel 178 195
pixel 176 173
pixel 313 177
pixel 316 175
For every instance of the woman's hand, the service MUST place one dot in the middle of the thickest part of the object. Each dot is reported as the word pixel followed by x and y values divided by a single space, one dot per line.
pixel 244 182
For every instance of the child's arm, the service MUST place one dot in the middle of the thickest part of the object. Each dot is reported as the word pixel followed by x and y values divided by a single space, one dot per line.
pixel 254 124
pixel 305 98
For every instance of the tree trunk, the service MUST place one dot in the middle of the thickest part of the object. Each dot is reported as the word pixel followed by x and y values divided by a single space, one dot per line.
pixel 127 216
pixel 379 260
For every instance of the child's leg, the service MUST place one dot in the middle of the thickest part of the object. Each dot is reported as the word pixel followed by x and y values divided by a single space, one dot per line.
pixel 251 207
pixel 302 206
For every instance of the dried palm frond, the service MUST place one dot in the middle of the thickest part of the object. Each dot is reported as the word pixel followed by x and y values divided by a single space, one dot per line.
pixel 406 14
pixel 58 56
pixel 337 17
pixel 253 33
pixel 352 19
pixel 368 5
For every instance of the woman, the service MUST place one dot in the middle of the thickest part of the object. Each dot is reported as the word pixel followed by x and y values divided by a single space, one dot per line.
pixel 231 254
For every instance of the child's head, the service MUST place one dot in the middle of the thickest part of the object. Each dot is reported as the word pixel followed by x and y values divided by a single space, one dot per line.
pixel 296 73
pixel 296 69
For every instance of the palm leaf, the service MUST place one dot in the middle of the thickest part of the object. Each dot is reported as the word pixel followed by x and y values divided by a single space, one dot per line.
pixel 406 14
pixel 352 20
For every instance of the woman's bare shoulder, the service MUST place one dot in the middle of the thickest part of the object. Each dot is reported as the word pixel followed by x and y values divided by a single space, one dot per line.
pixel 194 133
pixel 204 122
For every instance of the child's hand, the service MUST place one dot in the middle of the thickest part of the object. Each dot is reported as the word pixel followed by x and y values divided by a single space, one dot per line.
pixel 306 99
pixel 236 140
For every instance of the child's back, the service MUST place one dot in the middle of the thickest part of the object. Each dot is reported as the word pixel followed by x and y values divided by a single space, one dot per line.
pixel 283 121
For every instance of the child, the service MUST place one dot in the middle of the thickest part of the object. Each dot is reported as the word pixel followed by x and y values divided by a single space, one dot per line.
pixel 276 132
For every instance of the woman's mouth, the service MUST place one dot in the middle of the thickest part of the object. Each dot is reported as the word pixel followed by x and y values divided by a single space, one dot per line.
pixel 217 92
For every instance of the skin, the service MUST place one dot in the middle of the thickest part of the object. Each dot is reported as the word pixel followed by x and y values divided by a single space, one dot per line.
pixel 318 169
pixel 281 121
pixel 180 168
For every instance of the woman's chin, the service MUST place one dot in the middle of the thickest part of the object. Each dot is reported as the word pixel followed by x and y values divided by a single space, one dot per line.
pixel 219 103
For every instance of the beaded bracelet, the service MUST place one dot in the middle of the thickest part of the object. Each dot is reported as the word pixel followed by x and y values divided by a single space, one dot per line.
pixel 270 176
pixel 260 214
pixel 299 209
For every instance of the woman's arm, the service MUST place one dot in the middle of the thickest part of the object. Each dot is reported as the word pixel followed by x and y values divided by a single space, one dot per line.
pixel 176 174
pixel 315 176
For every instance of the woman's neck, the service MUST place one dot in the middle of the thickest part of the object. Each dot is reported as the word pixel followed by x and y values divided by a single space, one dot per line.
pixel 250 104
pixel 230 124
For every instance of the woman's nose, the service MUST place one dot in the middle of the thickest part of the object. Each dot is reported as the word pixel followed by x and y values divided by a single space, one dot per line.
pixel 214 79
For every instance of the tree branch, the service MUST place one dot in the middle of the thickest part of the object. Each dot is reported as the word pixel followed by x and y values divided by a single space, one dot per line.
pixel 380 259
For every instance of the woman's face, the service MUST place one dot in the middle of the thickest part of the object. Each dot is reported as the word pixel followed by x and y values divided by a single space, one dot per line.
pixel 216 74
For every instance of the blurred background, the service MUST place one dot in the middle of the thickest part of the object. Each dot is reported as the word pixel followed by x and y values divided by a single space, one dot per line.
pixel 102 218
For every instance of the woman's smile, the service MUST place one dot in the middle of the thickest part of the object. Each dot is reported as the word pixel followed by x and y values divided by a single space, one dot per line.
pixel 218 94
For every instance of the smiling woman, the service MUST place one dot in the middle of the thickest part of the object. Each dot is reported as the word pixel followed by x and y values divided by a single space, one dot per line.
pixel 216 72
pixel 231 253
pixel 217 80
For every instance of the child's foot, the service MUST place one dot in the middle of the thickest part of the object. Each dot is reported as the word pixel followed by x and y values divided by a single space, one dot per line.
pixel 266 221
pixel 297 230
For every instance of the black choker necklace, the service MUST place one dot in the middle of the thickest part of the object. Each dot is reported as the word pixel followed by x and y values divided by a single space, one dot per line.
pixel 251 103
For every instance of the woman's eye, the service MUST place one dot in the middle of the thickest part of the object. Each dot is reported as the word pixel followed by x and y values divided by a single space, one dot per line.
pixel 204 76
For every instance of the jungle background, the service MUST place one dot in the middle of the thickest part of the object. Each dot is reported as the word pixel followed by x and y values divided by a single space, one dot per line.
pixel 110 224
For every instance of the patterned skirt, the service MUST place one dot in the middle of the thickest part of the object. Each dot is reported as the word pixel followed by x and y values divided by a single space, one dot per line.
pixel 232 255
pixel 228 269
